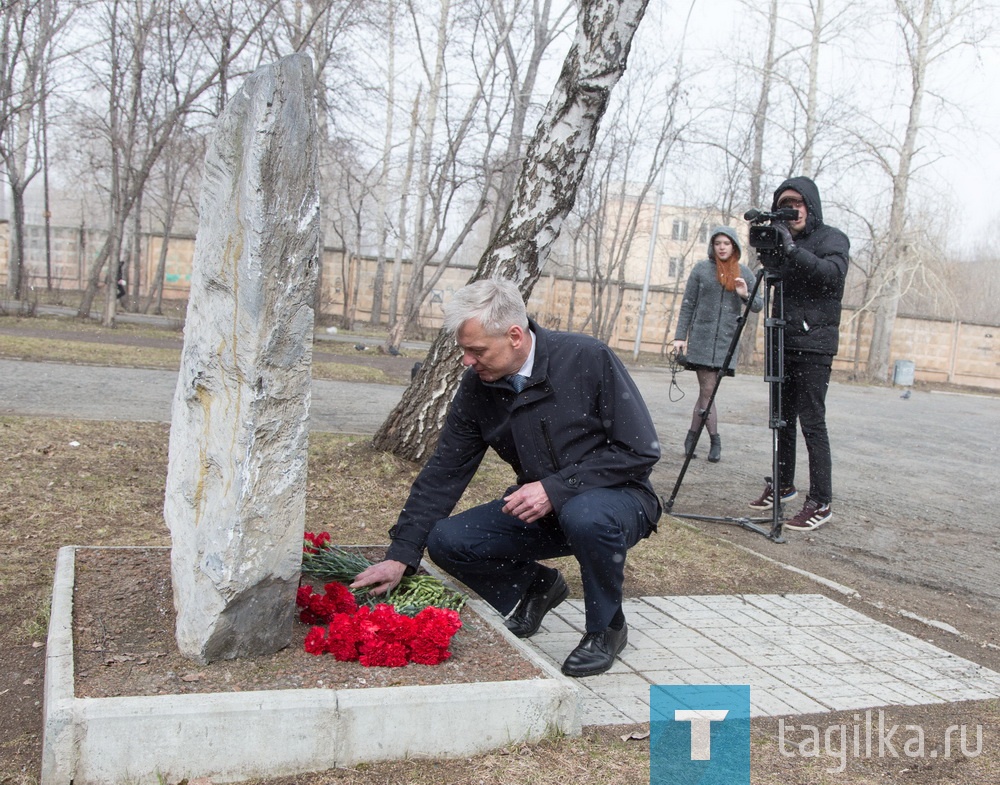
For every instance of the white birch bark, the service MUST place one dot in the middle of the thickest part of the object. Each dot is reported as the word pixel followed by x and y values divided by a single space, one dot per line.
pixel 545 192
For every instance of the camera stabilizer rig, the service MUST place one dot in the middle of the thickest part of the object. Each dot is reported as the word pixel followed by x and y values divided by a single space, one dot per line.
pixel 764 237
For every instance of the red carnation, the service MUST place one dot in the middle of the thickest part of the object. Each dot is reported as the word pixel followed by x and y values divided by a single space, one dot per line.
pixel 316 642
pixel 379 636
pixel 341 598
pixel 313 542
pixel 322 607
pixel 342 642
pixel 302 595
pixel 366 624
pixel 434 629
pixel 423 653
pixel 384 653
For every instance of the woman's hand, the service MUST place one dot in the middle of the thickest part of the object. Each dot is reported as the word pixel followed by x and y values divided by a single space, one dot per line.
pixel 680 347
pixel 741 288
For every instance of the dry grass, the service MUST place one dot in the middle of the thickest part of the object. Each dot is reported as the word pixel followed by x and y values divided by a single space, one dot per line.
pixel 84 342
pixel 14 347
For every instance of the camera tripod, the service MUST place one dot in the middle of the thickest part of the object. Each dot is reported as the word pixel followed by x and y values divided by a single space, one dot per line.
pixel 774 363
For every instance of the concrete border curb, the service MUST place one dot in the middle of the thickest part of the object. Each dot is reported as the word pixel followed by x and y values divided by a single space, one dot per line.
pixel 229 737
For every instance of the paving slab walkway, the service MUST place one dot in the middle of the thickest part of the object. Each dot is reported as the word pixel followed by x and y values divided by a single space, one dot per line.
pixel 800 654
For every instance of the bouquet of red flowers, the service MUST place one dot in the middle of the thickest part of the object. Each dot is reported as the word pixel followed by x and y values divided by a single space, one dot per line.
pixel 374 636
pixel 414 622
pixel 414 592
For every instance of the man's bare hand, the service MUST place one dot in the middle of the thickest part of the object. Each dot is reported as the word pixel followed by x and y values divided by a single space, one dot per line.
pixel 529 502
pixel 383 576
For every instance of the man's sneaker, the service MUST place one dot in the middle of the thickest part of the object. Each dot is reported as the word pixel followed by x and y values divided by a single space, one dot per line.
pixel 766 500
pixel 811 516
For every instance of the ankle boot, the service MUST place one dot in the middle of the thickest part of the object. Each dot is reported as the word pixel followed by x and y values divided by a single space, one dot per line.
pixel 715 451
pixel 689 443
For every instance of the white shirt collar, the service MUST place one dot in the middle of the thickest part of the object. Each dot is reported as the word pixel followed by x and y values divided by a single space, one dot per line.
pixel 529 363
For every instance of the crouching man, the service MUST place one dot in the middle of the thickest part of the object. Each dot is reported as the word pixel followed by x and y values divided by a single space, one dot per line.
pixel 562 410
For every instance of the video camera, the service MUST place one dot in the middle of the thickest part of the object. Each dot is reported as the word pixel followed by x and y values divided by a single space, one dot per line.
pixel 765 238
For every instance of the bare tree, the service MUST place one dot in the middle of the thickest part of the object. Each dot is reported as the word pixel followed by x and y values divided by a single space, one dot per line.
pixel 160 59
pixel 546 189
pixel 792 127
pixel 523 65
pixel 353 186
pixel 767 69
pixel 826 24
pixel 173 174
pixel 383 200
pixel 629 157
pixel 930 30
pixel 441 171
pixel 520 32
pixel 27 49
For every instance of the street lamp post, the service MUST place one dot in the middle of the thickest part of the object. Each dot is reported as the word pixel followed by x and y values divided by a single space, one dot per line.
pixel 649 264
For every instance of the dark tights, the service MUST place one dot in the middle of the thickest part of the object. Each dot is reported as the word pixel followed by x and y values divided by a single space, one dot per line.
pixel 706 383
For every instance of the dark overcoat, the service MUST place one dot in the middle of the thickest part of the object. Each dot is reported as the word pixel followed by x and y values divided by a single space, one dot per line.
pixel 709 314
pixel 580 424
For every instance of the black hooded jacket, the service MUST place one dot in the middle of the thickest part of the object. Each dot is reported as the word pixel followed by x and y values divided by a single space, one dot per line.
pixel 813 275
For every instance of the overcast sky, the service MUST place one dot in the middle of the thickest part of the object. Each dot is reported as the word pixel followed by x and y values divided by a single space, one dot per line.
pixel 965 177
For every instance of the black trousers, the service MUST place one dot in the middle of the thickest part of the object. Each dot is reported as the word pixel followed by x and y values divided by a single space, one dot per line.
pixel 803 402
pixel 496 555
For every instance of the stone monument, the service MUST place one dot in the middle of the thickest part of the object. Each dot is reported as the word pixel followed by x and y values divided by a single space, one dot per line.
pixel 236 478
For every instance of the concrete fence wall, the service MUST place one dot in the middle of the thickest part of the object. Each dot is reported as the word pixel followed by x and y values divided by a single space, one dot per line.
pixel 940 351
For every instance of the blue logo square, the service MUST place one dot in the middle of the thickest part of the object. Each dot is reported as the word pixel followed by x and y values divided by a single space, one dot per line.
pixel 699 735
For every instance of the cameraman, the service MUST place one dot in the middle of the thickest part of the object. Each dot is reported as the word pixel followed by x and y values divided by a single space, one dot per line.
pixel 813 271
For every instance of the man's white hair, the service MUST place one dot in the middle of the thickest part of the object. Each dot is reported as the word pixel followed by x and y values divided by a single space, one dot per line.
pixel 495 303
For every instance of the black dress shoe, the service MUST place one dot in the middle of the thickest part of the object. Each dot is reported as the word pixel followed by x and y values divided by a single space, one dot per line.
pixel 596 652
pixel 527 617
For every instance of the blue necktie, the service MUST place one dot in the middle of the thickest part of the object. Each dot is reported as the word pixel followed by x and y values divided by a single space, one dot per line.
pixel 517 381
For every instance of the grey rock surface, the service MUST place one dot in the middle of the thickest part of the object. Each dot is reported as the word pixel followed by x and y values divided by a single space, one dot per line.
pixel 236 478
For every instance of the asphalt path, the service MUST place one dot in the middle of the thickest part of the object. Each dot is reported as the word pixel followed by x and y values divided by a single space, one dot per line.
pixel 99 393
pixel 915 478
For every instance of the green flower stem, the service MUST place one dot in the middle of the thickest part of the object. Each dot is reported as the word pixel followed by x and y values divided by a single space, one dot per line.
pixel 412 595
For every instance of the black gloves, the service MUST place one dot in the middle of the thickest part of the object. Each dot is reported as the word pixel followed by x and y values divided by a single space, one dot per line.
pixel 787 243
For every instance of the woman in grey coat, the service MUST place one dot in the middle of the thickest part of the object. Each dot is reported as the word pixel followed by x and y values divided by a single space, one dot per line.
pixel 714 297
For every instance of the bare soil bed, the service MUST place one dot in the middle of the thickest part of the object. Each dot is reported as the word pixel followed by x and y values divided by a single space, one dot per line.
pixel 123 630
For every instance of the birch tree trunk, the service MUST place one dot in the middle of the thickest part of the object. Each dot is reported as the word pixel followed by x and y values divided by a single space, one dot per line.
pixel 816 39
pixel 931 30
pixel 748 341
pixel 763 102
pixel 382 223
pixel 545 192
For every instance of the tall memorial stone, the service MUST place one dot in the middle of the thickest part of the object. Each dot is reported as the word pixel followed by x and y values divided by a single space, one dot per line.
pixel 236 478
